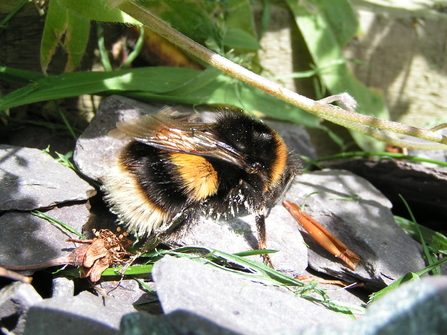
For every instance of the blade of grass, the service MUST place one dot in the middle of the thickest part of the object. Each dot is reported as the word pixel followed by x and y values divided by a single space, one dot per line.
pixel 133 270
pixel 160 84
pixel 435 241
pixel 382 154
pixel 410 276
pixel 143 284
pixel 11 15
pixel 431 259
pixel 258 272
pixel 105 61
pixel 64 119
pixel 254 252
pixel 65 226
pixel 136 51
pixel 19 76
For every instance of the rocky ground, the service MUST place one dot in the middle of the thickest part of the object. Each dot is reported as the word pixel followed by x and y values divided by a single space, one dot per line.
pixel 188 294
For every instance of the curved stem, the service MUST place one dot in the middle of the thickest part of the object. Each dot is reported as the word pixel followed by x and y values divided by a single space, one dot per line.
pixel 365 124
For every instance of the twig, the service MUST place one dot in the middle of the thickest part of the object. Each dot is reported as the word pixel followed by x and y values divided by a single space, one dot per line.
pixel 362 123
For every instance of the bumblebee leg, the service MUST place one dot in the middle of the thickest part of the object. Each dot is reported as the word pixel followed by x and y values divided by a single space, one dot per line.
pixel 262 237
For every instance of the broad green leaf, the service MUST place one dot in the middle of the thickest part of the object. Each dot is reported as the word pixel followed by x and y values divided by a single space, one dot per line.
pixel 158 83
pixel 241 32
pixel 157 80
pixel 97 10
pixel 240 15
pixel 191 18
pixel 238 38
pixel 19 76
pixel 201 21
pixel 326 26
pixel 65 29
pixel 342 20
pixel 227 91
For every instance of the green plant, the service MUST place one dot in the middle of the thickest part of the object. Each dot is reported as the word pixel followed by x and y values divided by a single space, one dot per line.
pixel 224 28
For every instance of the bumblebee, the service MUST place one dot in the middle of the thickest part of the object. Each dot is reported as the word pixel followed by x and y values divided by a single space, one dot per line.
pixel 176 167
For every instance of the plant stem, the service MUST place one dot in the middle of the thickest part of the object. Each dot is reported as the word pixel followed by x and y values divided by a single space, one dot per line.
pixel 362 123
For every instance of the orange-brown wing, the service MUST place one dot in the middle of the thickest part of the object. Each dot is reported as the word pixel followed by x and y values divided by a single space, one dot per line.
pixel 165 133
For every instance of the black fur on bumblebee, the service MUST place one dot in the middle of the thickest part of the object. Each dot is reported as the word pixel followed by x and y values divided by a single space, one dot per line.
pixel 175 167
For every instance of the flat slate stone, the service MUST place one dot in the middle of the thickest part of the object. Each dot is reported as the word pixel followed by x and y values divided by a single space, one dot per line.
pixel 235 303
pixel 240 234
pixel 175 323
pixel 415 308
pixel 422 187
pixel 32 179
pixel 27 240
pixel 83 314
pixel 15 300
pixel 360 216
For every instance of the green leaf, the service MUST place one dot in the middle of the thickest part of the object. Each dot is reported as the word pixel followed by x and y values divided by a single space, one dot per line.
pixel 43 216
pixel 326 26
pixel 65 29
pixel 19 76
pixel 410 276
pixel 191 18
pixel 156 79
pixel 342 20
pixel 97 10
pixel 430 258
pixel 130 271
pixel 436 242
pixel 240 16
pixel 238 38
pixel 161 84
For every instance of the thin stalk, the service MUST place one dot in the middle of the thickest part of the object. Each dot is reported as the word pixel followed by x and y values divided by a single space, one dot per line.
pixel 365 124
pixel 381 154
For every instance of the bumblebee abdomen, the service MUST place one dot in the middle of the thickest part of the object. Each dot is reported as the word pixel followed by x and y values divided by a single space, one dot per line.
pixel 141 191
pixel 195 175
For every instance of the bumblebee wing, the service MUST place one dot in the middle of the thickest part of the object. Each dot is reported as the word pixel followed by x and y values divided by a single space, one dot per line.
pixel 166 133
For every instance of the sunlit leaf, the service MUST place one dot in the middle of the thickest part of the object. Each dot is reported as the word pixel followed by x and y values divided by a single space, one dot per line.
pixel 65 29
pixel 165 84
pixel 98 10
pixel 326 26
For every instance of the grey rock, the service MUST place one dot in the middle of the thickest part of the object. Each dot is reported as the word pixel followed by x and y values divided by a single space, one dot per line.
pixel 15 300
pixel 62 287
pixel 95 149
pixel 32 179
pixel 422 187
pixel 232 302
pixel 240 234
pixel 129 292
pixel 175 323
pixel 26 239
pixel 82 314
pixel 359 215
pixel 41 138
pixel 415 308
